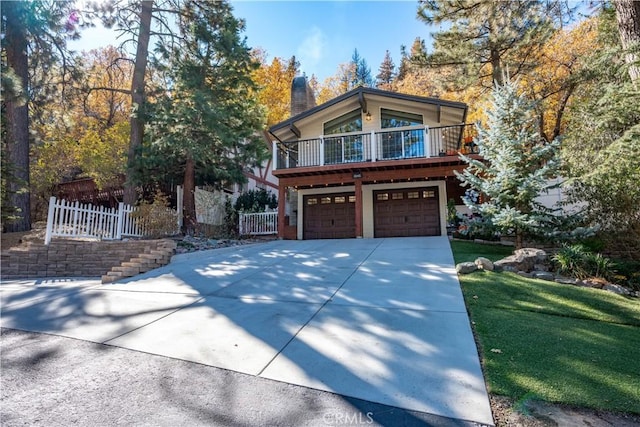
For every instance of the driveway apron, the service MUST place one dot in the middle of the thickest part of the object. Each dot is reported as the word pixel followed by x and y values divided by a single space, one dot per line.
pixel 376 319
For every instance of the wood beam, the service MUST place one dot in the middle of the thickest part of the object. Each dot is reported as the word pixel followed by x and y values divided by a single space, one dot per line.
pixel 363 102
pixel 346 178
pixel 358 207
pixel 295 130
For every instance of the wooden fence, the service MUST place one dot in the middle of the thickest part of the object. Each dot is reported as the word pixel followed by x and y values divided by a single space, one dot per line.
pixel 74 219
pixel 254 224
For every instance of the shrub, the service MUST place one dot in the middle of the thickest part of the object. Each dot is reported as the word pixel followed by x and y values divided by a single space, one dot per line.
pixel 256 201
pixel 159 220
pixel 577 261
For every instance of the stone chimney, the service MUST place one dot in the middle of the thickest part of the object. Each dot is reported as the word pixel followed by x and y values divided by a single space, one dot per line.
pixel 302 98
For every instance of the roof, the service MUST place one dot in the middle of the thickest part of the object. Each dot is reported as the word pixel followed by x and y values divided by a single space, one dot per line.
pixel 361 91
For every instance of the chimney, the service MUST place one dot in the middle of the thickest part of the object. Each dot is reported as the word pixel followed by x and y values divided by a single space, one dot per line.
pixel 302 98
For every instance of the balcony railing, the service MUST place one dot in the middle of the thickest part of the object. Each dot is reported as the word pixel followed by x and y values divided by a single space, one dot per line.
pixel 407 143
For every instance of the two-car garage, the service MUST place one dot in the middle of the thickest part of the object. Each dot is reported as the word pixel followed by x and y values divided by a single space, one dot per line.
pixel 392 212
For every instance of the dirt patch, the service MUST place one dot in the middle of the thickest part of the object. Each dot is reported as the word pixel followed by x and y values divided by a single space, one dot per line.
pixel 35 235
pixel 533 413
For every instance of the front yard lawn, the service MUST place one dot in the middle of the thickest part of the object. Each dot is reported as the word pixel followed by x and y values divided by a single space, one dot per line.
pixel 558 343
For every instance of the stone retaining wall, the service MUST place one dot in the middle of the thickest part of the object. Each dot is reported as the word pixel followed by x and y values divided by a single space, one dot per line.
pixel 69 258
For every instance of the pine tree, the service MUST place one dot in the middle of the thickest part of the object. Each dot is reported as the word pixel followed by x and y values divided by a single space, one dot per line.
pixel 34 59
pixel 386 73
pixel 516 166
pixel 361 72
pixel 488 38
pixel 206 126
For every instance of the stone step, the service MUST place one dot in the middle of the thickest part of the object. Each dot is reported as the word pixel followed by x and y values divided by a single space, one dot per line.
pixel 127 271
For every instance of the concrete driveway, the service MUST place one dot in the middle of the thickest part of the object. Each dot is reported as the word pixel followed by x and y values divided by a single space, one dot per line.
pixel 381 320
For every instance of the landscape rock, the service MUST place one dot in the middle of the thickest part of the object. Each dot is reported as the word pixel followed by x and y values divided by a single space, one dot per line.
pixel 541 267
pixel 593 283
pixel 566 280
pixel 542 275
pixel 466 267
pixel 523 259
pixel 617 289
pixel 524 274
pixel 484 263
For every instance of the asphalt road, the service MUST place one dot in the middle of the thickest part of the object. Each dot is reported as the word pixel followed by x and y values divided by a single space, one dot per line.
pixel 56 381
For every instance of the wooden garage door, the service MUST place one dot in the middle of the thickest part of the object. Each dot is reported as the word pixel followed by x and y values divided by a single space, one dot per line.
pixel 330 216
pixel 406 212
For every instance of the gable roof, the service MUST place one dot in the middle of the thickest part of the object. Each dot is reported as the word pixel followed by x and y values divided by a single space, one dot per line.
pixel 360 92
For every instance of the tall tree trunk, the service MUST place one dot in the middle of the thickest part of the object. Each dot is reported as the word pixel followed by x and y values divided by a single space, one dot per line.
pixel 496 68
pixel 138 97
pixel 189 216
pixel 628 16
pixel 17 115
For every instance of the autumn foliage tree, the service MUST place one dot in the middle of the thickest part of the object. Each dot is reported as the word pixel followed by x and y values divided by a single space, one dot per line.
pixel 274 85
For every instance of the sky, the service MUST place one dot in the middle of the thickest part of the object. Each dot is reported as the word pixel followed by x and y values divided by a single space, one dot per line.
pixel 321 34
pixel 324 34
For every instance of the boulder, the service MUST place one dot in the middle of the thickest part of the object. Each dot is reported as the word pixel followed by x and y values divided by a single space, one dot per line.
pixel 466 267
pixel 484 263
pixel 566 280
pixel 541 267
pixel 523 259
pixel 543 275
pixel 617 289
pixel 524 274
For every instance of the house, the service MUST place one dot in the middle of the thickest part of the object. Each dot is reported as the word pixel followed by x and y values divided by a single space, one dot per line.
pixel 369 163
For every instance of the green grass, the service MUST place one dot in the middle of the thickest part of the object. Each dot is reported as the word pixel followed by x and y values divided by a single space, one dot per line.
pixel 558 343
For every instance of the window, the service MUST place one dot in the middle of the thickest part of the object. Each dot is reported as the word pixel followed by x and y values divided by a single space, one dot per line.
pixel 325 200
pixel 340 199
pixel 383 196
pixel 396 119
pixel 397 196
pixel 350 122
pixel 428 194
pixel 352 199
pixel 313 201
pixel 413 195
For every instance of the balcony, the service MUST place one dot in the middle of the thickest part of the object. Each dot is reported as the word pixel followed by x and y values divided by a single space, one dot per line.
pixel 377 146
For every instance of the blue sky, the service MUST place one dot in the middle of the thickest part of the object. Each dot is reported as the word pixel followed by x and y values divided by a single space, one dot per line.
pixel 321 34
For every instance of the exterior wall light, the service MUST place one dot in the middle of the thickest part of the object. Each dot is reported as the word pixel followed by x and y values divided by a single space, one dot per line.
pixel 367 116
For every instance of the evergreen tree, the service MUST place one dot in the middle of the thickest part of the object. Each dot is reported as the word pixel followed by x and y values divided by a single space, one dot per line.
pixel 516 167
pixel 34 59
pixel 361 73
pixel 207 123
pixel 487 38
pixel 601 145
pixel 386 73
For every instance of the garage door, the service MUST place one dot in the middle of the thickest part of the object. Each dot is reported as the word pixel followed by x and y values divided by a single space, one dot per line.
pixel 406 212
pixel 330 216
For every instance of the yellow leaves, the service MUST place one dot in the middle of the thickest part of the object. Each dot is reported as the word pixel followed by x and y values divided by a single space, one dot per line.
pixel 274 81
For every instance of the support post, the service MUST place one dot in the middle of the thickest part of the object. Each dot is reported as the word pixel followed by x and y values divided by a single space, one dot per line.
pixel 374 146
pixel 281 211
pixel 50 219
pixel 427 142
pixel 321 150
pixel 120 224
pixel 180 204
pixel 358 190
pixel 274 155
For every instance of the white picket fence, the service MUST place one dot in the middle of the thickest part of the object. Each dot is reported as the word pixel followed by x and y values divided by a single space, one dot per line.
pixel 73 219
pixel 254 224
